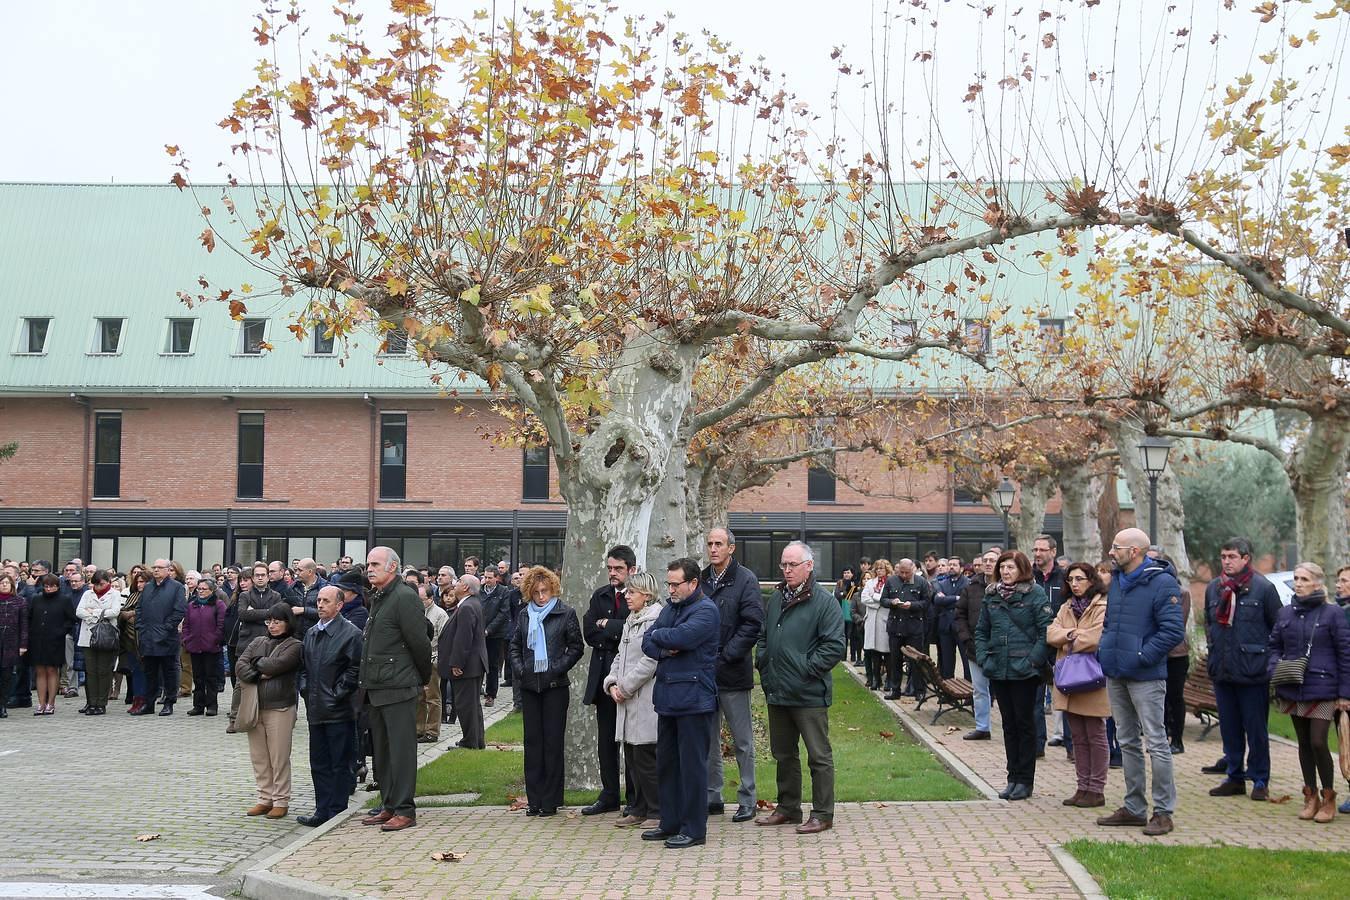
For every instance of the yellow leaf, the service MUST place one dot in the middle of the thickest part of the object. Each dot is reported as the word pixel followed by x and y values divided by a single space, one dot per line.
pixel 557 259
pixel 396 286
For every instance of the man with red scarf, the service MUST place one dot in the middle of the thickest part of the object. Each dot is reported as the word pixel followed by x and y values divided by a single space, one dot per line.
pixel 1240 610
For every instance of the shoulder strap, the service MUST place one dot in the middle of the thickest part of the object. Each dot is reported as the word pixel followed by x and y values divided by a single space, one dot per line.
pixel 1313 633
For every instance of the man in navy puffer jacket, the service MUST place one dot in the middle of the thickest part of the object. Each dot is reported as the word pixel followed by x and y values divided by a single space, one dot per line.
pixel 1143 622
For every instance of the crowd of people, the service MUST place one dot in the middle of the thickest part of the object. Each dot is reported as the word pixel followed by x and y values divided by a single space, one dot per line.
pixel 1108 640
pixel 383 655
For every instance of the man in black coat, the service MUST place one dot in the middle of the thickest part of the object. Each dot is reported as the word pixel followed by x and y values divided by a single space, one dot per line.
pixel 602 627
pixel 462 657
pixel 161 610
pixel 735 591
pixel 909 598
pixel 496 602
pixel 329 675
pixel 1051 578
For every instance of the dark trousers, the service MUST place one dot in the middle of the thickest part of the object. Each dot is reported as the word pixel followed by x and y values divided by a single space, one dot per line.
pixel 914 683
pixel 1243 712
pixel 469 710
pixel 607 750
pixel 332 758
pixel 946 653
pixel 7 674
pixel 98 666
pixel 161 677
pixel 207 681
pixel 809 725
pixel 1018 709
pixel 494 650
pixel 874 660
pixel 682 758
pixel 1174 706
pixel 393 732
pixel 640 760
pixel 544 716
pixel 1040 718
pixel 21 694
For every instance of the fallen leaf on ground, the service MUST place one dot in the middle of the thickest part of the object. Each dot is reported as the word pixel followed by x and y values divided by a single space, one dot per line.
pixel 518 804
pixel 952 729
pixel 881 806
pixel 447 856
pixel 153 836
pixel 1283 798
pixel 886 734
pixel 572 814
pixel 764 804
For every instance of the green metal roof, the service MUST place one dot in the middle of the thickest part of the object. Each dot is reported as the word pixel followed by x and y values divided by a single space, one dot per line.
pixel 77 252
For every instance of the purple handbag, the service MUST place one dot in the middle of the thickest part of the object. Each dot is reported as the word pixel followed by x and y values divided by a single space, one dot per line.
pixel 1077 673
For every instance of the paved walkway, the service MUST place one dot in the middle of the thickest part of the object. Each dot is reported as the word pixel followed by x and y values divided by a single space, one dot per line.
pixel 970 849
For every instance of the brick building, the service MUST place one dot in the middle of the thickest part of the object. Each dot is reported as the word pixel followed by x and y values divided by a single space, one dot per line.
pixel 146 428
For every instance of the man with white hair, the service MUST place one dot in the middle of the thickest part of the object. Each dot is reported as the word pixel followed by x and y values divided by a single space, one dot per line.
pixel 802 641
pixel 395 666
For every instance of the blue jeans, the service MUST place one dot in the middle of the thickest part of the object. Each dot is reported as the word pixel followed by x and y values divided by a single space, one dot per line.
pixel 983 700
pixel 1243 709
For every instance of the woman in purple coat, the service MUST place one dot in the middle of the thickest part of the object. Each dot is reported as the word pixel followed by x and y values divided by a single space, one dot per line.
pixel 203 635
pixel 1312 627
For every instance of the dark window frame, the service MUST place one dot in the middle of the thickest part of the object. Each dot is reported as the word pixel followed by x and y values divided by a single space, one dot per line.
pixel 321 341
pixel 249 474
pixel 393 468
pixel 534 475
pixel 107 454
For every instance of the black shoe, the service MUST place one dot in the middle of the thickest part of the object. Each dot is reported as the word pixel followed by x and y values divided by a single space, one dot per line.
pixel 196 711
pixel 532 811
pixel 83 710
pixel 1056 741
pixel 4 713
pixel 681 841
pixel 310 821
pixel 894 696
pixel 1020 792
pixel 1040 754
pixel 1229 789
pixel 1219 768
pixel 167 710
pixel 1115 762
pixel 743 814
pixel 656 834
pixel 1007 791
pixel 212 711
pixel 548 812
pixel 717 809
pixel 976 735
pixel 1178 749
pixel 599 807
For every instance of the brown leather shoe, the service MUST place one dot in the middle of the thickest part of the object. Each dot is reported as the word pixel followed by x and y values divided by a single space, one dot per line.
pixel 277 812
pixel 814 826
pixel 379 818
pixel 1161 823
pixel 1090 800
pixel 1073 801
pixel 628 821
pixel 777 818
pixel 258 809
pixel 1123 817
pixel 398 823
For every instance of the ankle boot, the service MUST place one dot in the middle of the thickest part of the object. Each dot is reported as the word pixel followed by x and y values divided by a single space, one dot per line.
pixel 137 704
pixel 1309 804
pixel 1326 809
pixel 1073 801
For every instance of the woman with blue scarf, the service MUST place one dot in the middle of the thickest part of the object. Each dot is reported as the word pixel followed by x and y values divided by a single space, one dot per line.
pixel 546 645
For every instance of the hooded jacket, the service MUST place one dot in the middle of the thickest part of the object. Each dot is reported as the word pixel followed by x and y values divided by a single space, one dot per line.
pixel 1143 623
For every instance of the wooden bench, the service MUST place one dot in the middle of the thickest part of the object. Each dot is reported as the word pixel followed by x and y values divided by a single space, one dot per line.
pixel 951 693
pixel 1199 696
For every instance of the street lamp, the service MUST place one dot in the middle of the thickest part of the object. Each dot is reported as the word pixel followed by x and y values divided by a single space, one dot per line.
pixel 1004 495
pixel 1153 453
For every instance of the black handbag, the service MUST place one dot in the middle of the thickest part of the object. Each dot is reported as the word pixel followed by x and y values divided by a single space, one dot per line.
pixel 105 635
pixel 1293 671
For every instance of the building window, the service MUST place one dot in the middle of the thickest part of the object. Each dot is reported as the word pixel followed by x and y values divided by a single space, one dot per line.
pixel 966 497
pixel 179 340
pixel 323 341
pixel 250 477
pixel 819 485
pixel 395 343
pixel 978 337
pixel 393 456
pixel 905 331
pixel 107 454
pixel 253 337
pixel 534 486
pixel 34 336
pixel 108 335
pixel 1051 333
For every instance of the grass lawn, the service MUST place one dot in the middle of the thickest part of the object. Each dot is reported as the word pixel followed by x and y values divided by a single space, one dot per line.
pixel 1142 872
pixel 1280 724
pixel 868 765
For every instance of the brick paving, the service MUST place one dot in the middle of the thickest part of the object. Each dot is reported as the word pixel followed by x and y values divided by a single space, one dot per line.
pixel 967 849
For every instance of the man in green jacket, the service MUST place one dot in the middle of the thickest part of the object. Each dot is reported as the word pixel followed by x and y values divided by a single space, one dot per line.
pixel 395 666
pixel 802 641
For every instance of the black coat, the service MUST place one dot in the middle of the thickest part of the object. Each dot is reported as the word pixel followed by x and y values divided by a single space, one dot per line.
pixel 463 645
pixel 562 635
pixel 496 612
pixel 1053 585
pixel 330 672
pixel 158 616
pixel 604 641
pixel 309 599
pixel 968 607
pixel 50 618
pixel 1237 651
pixel 910 624
pixel 252 611
pixel 741 607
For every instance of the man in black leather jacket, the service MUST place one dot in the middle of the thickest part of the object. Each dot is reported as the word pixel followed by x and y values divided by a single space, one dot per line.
pixel 329 674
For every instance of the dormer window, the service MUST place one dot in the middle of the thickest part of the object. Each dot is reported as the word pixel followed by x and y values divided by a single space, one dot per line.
pixel 108 336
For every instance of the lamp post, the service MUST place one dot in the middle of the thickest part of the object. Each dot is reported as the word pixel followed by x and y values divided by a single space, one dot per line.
pixel 1153 453
pixel 1004 495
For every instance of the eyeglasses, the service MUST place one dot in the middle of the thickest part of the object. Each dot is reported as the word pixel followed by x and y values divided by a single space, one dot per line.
pixel 1115 547
pixel 789 566
pixel 674 584
pixel 1078 578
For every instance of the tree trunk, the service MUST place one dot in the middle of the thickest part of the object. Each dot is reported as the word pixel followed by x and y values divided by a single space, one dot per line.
pixel 669 535
pixel 1035 496
pixel 1080 495
pixel 1171 515
pixel 1316 470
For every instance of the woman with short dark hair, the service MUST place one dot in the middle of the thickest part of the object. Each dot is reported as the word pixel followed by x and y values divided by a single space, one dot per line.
pixel 1076 630
pixel 100 602
pixel 1010 649
pixel 50 618
pixel 272 662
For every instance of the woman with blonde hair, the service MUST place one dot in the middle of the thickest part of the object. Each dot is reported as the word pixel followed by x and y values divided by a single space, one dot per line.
pixel 630 683
pixel 876 642
pixel 545 647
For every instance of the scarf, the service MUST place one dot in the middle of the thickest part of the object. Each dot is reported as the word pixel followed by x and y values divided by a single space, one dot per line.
pixel 1312 601
pixel 99 594
pixel 1005 590
pixel 1130 579
pixel 1079 605
pixel 881 583
pixel 535 638
pixel 1229 588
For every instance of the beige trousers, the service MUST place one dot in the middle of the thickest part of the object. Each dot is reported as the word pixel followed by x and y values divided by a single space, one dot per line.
pixel 269 748
pixel 429 710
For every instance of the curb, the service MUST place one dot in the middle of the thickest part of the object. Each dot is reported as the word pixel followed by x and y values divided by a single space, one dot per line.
pixel 1082 879
pixel 263 885
pixel 949 759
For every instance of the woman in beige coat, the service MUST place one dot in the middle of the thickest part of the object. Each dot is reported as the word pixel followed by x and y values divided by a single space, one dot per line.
pixel 1078 629
pixel 630 683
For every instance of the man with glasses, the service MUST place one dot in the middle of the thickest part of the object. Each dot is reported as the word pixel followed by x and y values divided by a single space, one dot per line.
pixel 1143 622
pixel 253 606
pixel 683 641
pixel 161 610
pixel 802 641
pixel 277 581
pixel 602 627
